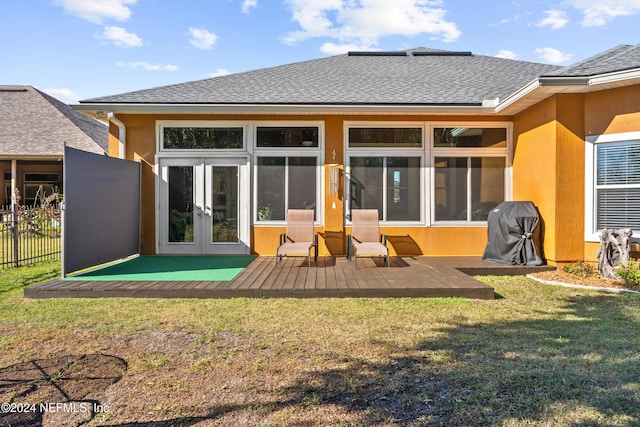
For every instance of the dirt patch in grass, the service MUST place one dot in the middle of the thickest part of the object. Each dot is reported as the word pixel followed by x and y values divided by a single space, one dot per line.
pixel 595 281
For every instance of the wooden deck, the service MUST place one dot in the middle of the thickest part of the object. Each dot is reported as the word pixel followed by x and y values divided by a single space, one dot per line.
pixel 425 277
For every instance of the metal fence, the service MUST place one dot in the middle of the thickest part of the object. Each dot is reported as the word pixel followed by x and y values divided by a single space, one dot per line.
pixel 29 235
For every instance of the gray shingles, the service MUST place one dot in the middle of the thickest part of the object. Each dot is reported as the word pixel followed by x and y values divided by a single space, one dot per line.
pixel 34 124
pixel 619 58
pixel 357 80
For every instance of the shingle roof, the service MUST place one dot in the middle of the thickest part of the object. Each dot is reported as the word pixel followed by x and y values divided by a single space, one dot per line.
pixel 417 77
pixel 619 58
pixel 34 124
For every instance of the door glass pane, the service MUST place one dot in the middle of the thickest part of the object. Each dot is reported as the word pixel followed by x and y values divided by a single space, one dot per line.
pixel 225 204
pixel 302 183
pixel 451 188
pixel 271 188
pixel 403 188
pixel 487 185
pixel 180 204
pixel 366 184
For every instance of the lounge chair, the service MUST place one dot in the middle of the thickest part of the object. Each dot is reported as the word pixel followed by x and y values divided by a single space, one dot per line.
pixel 299 238
pixel 365 239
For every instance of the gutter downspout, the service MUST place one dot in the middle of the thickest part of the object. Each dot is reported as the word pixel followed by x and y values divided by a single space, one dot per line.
pixel 122 134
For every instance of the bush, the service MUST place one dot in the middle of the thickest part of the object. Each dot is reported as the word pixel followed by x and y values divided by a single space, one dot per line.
pixel 581 269
pixel 630 273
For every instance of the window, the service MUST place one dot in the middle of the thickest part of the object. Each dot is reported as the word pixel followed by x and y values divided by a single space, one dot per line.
pixel 467 188
pixel 392 185
pixel 285 183
pixel 37 186
pixel 613 192
pixel 470 137
pixel 202 138
pixel 287 137
pixel 470 162
pixel 287 170
pixel 385 137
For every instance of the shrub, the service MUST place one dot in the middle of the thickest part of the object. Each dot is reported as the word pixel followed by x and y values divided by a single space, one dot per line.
pixel 581 269
pixel 630 273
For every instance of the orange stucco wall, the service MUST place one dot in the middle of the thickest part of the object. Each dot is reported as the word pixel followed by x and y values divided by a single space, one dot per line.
pixel 548 169
pixel 444 241
pixel 548 163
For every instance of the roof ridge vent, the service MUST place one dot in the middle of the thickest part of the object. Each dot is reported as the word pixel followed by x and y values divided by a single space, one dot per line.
pixel 377 53
pixel 441 53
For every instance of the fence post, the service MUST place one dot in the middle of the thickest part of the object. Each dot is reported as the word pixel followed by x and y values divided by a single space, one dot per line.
pixel 14 228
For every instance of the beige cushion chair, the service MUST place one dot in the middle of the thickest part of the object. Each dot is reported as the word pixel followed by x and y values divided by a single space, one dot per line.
pixel 365 239
pixel 299 238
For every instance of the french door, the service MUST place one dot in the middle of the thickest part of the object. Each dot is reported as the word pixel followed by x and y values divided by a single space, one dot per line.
pixel 203 206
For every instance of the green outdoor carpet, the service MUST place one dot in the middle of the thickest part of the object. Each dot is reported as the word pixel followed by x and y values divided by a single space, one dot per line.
pixel 171 268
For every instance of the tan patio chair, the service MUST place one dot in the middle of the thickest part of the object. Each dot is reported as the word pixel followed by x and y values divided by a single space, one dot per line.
pixel 365 239
pixel 299 238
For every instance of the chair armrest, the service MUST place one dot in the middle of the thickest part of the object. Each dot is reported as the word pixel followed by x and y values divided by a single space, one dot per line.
pixel 283 237
pixel 383 239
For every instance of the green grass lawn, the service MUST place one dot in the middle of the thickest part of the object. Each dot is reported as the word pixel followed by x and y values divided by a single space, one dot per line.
pixel 535 356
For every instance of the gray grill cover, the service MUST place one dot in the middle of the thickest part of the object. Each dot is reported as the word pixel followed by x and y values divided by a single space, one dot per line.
pixel 513 234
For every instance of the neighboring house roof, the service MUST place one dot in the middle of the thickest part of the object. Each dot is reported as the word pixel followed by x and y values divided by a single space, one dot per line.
pixel 414 77
pixel 35 125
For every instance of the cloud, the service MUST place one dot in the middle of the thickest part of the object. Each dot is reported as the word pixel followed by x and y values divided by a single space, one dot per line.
pixel 507 54
pixel 553 56
pixel 201 38
pixel 148 67
pixel 65 95
pixel 120 37
pixel 555 19
pixel 338 49
pixel 598 13
pixel 364 22
pixel 219 72
pixel 98 10
pixel 247 5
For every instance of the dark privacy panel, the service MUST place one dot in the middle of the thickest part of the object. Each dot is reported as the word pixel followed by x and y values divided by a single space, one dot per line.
pixel 102 209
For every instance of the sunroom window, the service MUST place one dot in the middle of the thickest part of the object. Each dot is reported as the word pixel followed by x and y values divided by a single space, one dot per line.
pixel 202 138
pixel 467 188
pixel 617 185
pixel 392 185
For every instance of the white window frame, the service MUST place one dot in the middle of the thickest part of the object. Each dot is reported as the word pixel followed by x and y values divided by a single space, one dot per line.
pixel 590 232
pixel 468 152
pixel 418 152
pixel 161 124
pixel 316 152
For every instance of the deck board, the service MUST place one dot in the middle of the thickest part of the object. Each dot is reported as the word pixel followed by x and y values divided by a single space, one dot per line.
pixel 328 277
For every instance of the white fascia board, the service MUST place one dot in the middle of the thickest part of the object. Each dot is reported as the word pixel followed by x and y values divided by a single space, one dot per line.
pixel 516 96
pixel 615 77
pixel 282 108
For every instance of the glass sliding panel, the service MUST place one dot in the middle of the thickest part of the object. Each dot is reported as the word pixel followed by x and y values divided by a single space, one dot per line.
pixel 225 204
pixel 470 137
pixel 302 183
pixel 403 188
pixel 287 137
pixel 180 204
pixel 271 188
pixel 487 185
pixel 451 188
pixel 202 138
pixel 366 183
pixel 385 137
